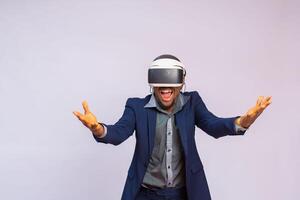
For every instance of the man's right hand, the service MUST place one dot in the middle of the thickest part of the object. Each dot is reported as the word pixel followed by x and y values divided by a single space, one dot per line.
pixel 89 120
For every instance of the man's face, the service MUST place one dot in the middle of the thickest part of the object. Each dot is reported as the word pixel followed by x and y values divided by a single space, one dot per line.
pixel 166 96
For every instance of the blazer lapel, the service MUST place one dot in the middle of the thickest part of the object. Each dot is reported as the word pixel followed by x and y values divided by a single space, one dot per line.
pixel 151 128
pixel 180 124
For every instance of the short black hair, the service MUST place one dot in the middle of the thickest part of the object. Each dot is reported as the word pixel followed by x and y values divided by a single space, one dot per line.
pixel 167 56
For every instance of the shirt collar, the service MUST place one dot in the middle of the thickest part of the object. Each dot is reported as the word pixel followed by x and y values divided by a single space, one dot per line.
pixel 180 102
pixel 151 103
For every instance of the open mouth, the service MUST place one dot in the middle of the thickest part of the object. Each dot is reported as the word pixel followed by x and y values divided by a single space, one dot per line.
pixel 166 94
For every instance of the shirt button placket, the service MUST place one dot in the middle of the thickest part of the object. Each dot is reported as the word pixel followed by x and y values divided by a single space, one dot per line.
pixel 169 152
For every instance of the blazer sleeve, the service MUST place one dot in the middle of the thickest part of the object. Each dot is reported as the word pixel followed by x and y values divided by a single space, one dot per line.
pixel 122 129
pixel 211 124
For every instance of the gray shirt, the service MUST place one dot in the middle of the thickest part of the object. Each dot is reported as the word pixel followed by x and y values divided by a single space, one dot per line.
pixel 166 165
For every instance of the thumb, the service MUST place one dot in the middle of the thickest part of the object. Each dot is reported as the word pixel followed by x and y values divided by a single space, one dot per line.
pixel 78 115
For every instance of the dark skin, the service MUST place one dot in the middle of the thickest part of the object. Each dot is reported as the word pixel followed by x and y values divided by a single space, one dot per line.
pixel 166 103
pixel 166 97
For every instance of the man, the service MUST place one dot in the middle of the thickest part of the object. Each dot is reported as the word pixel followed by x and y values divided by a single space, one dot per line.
pixel 166 164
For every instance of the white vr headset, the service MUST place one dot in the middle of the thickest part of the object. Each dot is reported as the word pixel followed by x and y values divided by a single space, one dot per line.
pixel 166 72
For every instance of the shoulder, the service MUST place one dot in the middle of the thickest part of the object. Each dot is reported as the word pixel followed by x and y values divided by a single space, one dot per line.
pixel 194 98
pixel 137 101
pixel 192 94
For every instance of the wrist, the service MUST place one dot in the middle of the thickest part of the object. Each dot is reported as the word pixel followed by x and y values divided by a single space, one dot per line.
pixel 95 125
pixel 97 129
pixel 240 123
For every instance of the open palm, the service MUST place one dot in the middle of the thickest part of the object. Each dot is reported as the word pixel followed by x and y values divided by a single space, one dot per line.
pixel 252 114
pixel 88 118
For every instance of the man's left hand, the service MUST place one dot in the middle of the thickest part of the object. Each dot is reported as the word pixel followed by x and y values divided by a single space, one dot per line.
pixel 253 113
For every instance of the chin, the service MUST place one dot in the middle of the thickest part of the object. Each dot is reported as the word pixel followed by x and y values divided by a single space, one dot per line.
pixel 166 105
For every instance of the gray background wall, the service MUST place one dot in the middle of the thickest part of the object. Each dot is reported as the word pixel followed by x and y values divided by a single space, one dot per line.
pixel 54 54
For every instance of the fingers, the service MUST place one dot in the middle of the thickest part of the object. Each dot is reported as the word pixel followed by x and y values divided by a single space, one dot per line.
pixel 268 98
pixel 259 100
pixel 267 101
pixel 263 102
pixel 78 115
pixel 85 107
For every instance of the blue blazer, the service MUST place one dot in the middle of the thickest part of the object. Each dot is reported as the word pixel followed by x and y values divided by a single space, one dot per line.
pixel 143 122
